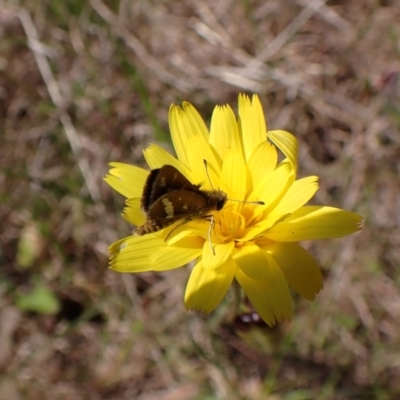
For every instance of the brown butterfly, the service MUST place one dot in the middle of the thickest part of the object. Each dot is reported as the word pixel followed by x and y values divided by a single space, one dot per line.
pixel 169 197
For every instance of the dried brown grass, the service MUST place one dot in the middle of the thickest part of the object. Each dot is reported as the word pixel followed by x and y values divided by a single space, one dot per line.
pixel 94 86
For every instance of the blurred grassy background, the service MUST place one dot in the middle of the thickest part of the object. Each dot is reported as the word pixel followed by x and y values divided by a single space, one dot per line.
pixel 83 83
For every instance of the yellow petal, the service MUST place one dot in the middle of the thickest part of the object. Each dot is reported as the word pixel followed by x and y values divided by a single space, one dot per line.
pixel 127 179
pixel 177 127
pixel 287 143
pixel 132 212
pixel 262 162
pixel 207 287
pixel 215 256
pixel 198 150
pixel 252 261
pixel 224 133
pixel 270 297
pixel 296 196
pixel 184 124
pixel 301 270
pixel 175 232
pixel 195 122
pixel 252 124
pixel 156 157
pixel 181 253
pixel 132 254
pixel 315 222
pixel 234 174
pixel 272 187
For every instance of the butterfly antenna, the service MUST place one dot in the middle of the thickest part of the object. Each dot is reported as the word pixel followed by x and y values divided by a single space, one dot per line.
pixel 258 202
pixel 209 234
pixel 208 175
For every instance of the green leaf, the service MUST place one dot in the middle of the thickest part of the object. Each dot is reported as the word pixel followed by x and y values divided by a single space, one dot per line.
pixel 40 300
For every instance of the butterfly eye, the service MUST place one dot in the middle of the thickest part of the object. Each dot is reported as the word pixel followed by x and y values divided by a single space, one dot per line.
pixel 220 204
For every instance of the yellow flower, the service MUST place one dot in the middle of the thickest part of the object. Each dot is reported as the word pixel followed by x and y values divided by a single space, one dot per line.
pixel 252 243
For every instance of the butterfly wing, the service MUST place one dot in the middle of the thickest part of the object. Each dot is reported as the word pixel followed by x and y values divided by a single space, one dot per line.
pixel 162 181
pixel 177 205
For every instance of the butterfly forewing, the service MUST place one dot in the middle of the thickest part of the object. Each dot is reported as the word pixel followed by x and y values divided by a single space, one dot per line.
pixel 162 181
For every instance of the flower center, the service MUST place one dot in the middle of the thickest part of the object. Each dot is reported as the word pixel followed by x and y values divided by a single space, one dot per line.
pixel 231 222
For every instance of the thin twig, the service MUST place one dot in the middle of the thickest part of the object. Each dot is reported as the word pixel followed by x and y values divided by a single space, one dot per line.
pixel 134 43
pixel 72 135
pixel 56 97
pixel 283 37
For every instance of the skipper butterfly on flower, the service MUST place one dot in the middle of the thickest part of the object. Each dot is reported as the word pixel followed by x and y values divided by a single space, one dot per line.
pixel 169 197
